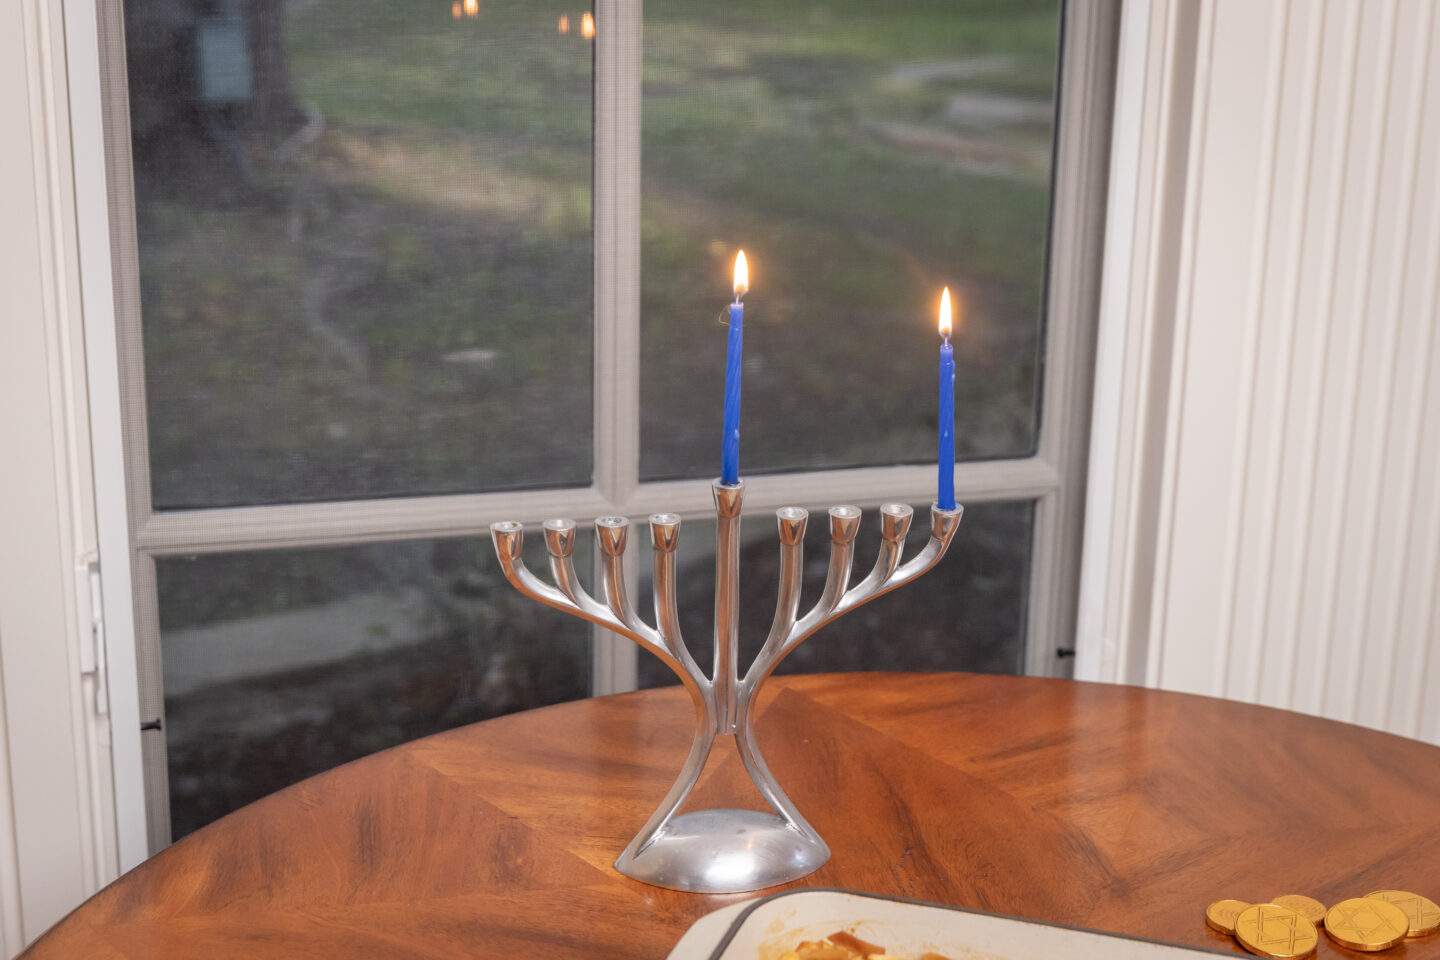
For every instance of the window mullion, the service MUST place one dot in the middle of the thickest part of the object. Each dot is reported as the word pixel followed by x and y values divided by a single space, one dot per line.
pixel 230 529
pixel 864 486
pixel 617 248
pixel 617 290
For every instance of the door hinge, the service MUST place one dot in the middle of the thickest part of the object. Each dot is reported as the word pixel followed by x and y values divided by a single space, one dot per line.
pixel 92 621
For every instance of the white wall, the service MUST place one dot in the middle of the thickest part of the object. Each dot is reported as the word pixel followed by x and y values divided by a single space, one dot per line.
pixel 1273 334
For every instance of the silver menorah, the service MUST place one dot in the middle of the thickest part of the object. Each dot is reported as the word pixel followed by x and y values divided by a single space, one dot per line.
pixel 723 851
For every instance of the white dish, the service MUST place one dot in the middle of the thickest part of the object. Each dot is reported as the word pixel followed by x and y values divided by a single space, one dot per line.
pixel 766 928
pixel 700 940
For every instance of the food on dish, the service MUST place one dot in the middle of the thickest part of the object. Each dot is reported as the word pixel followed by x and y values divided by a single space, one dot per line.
pixel 845 946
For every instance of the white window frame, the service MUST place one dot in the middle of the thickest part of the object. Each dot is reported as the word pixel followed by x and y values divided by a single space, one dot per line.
pixel 1053 478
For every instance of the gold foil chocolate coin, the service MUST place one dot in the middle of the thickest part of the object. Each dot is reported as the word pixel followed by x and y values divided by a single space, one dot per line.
pixel 1267 930
pixel 1220 915
pixel 1308 907
pixel 1423 914
pixel 1366 924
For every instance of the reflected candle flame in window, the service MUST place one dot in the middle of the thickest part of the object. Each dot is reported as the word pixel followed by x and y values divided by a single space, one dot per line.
pixel 472 7
pixel 587 27
pixel 564 26
pixel 456 10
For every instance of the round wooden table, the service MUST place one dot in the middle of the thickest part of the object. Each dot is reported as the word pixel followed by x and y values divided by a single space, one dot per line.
pixel 1109 807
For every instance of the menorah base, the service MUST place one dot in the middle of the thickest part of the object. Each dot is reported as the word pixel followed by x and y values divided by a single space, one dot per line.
pixel 725 851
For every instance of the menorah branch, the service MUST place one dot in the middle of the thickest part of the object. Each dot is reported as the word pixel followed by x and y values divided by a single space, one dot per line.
pixel 728 498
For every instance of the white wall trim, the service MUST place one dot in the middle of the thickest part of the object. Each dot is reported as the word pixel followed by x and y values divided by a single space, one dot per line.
pixel 1095 651
pixel 12 937
pixel 1129 430
pixel 87 134
pixel 57 836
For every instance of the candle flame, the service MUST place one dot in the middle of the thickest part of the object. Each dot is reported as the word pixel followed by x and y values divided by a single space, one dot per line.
pixel 587 26
pixel 945 314
pixel 742 275
pixel 564 23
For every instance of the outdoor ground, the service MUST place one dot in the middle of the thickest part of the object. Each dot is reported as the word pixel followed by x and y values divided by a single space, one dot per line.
pixel 398 299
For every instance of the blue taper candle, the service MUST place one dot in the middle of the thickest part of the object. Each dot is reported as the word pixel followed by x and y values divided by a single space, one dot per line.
pixel 945 496
pixel 730 445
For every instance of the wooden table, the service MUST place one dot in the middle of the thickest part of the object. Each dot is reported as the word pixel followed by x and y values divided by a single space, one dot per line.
pixel 1110 807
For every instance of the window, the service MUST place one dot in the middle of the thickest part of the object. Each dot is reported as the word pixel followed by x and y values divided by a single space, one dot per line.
pixel 396 271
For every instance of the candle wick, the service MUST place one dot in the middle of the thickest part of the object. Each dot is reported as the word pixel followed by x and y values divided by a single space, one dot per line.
pixel 947 338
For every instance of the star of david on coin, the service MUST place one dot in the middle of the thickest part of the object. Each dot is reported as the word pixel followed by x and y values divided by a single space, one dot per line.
pixel 1365 924
pixel 1267 930
pixel 1422 912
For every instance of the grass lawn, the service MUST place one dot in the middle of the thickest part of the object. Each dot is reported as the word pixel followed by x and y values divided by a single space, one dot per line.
pixel 839 144
pixel 405 307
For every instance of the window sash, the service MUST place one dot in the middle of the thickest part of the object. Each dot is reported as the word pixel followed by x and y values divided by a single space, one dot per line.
pixel 1053 477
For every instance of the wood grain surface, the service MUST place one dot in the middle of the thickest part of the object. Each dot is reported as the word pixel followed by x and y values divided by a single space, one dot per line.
pixel 1109 807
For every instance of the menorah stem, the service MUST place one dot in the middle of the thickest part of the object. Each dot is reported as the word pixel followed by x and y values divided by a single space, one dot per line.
pixel 727 601
pixel 700 745
pixel 764 780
